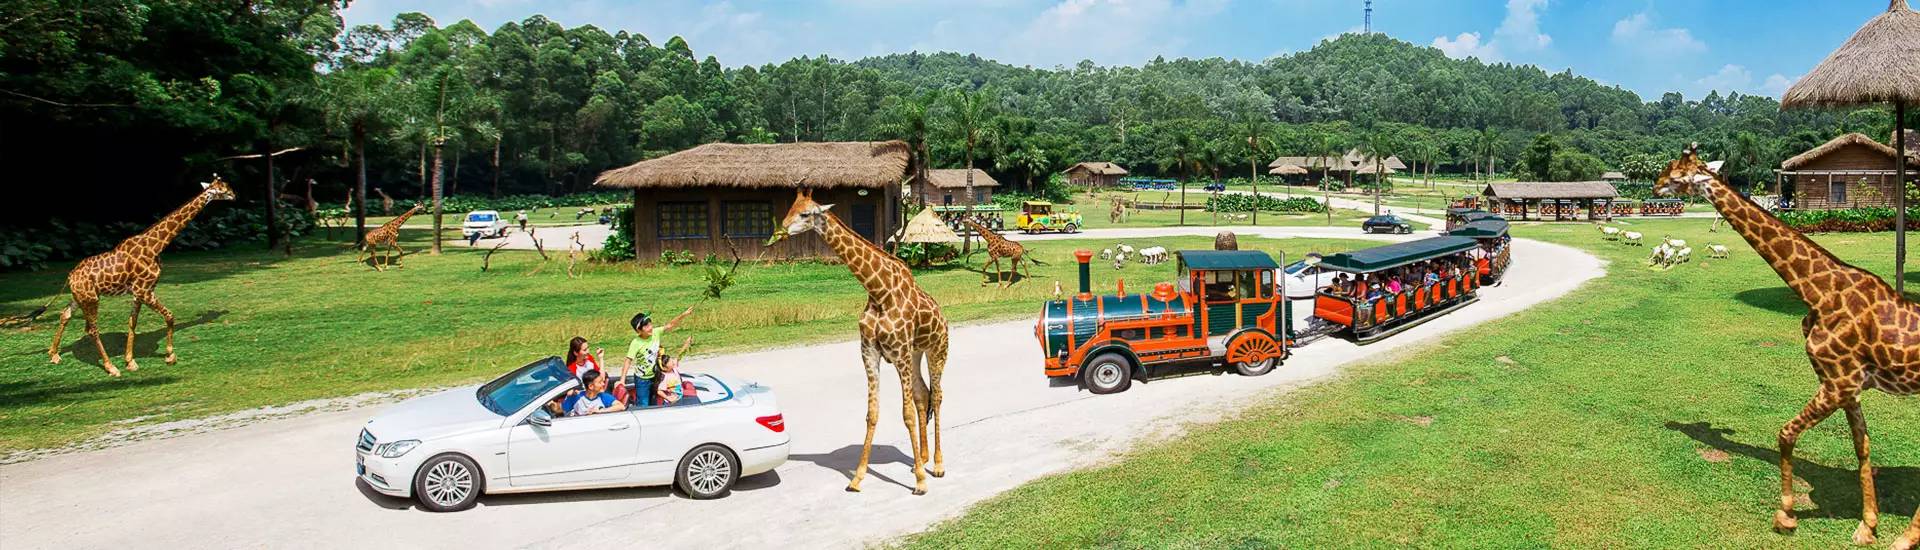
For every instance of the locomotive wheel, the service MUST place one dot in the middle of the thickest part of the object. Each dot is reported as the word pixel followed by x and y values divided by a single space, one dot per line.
pixel 1108 373
pixel 1253 354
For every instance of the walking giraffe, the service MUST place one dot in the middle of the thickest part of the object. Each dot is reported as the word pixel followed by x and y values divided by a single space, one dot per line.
pixel 999 247
pixel 387 234
pixel 1860 334
pixel 133 268
pixel 901 325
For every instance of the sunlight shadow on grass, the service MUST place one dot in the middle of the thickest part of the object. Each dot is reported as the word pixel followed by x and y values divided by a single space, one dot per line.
pixel 1836 491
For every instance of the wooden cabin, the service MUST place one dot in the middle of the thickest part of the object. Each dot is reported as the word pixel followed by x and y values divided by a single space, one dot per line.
pixel 1095 174
pixel 948 187
pixel 709 197
pixel 1850 171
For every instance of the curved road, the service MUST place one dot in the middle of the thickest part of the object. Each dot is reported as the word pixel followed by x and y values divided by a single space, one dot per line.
pixel 289 483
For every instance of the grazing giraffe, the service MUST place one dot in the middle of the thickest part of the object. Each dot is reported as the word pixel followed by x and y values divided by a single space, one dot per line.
pixel 1860 334
pixel 388 234
pixel 999 247
pixel 1119 211
pixel 901 325
pixel 133 267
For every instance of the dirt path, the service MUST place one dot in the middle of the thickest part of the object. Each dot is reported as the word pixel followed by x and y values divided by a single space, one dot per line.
pixel 289 482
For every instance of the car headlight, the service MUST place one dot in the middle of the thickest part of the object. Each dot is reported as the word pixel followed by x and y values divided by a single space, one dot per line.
pixel 396 449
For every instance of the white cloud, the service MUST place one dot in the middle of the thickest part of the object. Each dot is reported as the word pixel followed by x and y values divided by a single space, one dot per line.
pixel 1467 45
pixel 1638 34
pixel 1129 31
pixel 1731 78
pixel 1518 32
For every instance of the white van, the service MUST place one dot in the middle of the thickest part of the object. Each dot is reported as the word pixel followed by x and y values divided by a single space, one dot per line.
pixel 487 223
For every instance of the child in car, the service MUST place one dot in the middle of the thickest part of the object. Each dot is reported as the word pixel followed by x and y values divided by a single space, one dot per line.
pixel 667 390
pixel 595 399
pixel 644 353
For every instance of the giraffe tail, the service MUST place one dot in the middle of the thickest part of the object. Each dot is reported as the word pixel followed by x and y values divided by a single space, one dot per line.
pixel 29 317
pixel 1037 261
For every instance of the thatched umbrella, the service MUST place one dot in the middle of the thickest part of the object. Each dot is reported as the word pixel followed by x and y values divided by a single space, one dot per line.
pixel 1287 170
pixel 926 227
pixel 1880 64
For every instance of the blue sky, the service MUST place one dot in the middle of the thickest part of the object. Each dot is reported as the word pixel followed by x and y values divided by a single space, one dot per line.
pixel 1648 46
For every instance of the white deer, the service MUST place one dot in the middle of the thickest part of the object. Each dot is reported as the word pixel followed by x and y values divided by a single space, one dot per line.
pixel 1662 255
pixel 1633 238
pixel 1153 255
pixel 1684 255
pixel 1717 251
pixel 1609 233
pixel 1106 254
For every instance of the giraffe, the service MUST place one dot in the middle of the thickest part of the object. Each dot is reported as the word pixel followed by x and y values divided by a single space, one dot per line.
pixel 387 234
pixel 132 267
pixel 1119 211
pixel 901 325
pixel 1860 334
pixel 999 247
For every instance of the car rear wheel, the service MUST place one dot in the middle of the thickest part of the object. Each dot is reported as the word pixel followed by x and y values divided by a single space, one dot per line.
pixel 1073 228
pixel 448 483
pixel 707 472
pixel 1108 372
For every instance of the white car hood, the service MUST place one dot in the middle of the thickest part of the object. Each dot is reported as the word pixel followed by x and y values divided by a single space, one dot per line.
pixel 447 413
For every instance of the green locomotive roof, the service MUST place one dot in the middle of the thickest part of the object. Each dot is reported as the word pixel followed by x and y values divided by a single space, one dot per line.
pixel 1226 259
pixel 1482 229
pixel 1396 255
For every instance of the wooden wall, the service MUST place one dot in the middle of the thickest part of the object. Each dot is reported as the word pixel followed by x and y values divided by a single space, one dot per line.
pixel 1815 192
pixel 648 244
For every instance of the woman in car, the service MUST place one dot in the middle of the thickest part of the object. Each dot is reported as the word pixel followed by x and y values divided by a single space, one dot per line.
pixel 578 360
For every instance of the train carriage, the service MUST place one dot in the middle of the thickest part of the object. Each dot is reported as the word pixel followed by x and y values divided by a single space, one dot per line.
pixel 1225 308
pixel 1370 316
pixel 1495 253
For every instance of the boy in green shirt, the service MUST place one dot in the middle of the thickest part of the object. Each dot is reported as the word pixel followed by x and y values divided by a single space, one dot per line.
pixel 644 351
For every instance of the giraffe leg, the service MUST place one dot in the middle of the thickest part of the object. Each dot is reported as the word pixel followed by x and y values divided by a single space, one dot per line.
pixel 1869 506
pixel 1818 409
pixel 154 302
pixel 871 357
pixel 133 326
pixel 936 364
pixel 1912 537
pixel 399 258
pixel 915 360
pixel 91 313
pixel 910 415
pixel 1012 274
pixel 53 352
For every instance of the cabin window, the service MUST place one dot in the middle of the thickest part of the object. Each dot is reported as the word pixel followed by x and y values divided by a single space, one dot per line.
pixel 747 218
pixel 980 195
pixel 1266 283
pixel 1247 287
pixel 1836 192
pixel 683 220
pixel 1220 286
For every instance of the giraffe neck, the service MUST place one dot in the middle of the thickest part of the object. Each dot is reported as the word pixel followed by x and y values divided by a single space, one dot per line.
pixel 873 267
pixel 150 242
pixel 1796 258
pixel 403 217
pixel 993 239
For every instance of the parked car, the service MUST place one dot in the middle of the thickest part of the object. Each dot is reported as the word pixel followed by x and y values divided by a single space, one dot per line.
pixel 487 223
pixel 1303 279
pixel 447 449
pixel 1216 187
pixel 1388 223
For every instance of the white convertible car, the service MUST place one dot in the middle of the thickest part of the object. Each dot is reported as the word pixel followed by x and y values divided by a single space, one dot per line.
pixel 447 449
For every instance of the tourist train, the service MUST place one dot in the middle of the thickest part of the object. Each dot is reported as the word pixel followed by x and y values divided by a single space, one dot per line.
pixel 1230 308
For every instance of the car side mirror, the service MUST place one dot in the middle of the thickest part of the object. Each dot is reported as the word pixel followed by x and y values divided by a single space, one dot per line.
pixel 540 418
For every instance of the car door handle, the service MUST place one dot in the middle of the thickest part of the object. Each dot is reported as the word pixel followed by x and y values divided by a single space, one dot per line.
pixel 618 427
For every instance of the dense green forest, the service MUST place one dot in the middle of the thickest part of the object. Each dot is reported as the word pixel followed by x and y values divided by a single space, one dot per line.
pixel 113 108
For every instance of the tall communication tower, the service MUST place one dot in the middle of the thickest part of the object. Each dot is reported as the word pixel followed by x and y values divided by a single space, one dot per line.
pixel 1368 25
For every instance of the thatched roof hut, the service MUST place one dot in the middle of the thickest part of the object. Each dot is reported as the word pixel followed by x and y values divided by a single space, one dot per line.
pixel 721 197
pixel 956 178
pixel 1836 144
pixel 1613 176
pixel 1835 174
pixel 926 227
pixel 1331 164
pixel 866 164
pixel 1394 163
pixel 948 186
pixel 1287 170
pixel 1879 64
pixel 1092 174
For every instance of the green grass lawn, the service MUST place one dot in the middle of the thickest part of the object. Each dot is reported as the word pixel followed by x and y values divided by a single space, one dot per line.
pixel 259 329
pixel 1639 411
pixel 1097 216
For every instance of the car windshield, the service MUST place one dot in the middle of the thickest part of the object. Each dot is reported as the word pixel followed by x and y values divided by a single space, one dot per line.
pixel 482 217
pixel 1384 219
pixel 508 394
pixel 1296 267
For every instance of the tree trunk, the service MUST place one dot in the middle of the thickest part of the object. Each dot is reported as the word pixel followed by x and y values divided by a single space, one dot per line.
pixel 966 243
pixel 273 201
pixel 437 147
pixel 453 175
pixel 423 168
pixel 360 184
pixel 496 167
pixel 1253 171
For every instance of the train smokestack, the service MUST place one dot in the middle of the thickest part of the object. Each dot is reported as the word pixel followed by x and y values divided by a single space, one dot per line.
pixel 1085 257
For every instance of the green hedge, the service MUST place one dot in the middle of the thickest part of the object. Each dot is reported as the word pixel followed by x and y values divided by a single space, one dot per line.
pixel 32 248
pixel 1245 203
pixel 1851 220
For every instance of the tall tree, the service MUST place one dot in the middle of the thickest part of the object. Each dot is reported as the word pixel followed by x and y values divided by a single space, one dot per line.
pixel 358 102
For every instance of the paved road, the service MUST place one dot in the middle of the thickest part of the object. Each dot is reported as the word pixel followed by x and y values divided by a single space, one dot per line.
pixel 289 483
pixel 555 239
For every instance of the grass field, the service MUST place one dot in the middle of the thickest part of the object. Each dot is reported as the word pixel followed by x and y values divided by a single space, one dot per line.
pixel 1096 210
pixel 258 329
pixel 1639 411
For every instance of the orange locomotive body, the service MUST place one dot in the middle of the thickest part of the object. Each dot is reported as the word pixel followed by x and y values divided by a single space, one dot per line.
pixel 1225 307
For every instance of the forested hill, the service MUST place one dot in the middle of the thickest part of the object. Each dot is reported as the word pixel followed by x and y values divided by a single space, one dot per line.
pixel 131 101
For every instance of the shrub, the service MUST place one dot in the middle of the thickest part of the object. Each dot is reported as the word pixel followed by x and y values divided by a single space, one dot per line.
pixel 32 248
pixel 619 244
pixel 509 203
pixel 1851 220
pixel 1245 203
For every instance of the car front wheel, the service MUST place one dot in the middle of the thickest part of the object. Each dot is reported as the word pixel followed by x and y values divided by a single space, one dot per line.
pixel 707 472
pixel 448 483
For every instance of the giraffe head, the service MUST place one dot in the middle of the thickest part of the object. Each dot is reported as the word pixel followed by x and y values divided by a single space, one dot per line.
pixel 1687 176
pixel 217 190
pixel 805 216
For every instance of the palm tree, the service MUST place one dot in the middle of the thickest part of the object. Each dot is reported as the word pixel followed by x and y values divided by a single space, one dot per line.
pixel 907 120
pixel 968 115
pixel 1377 146
pixel 356 102
pixel 1486 144
pixel 1184 148
pixel 1253 129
